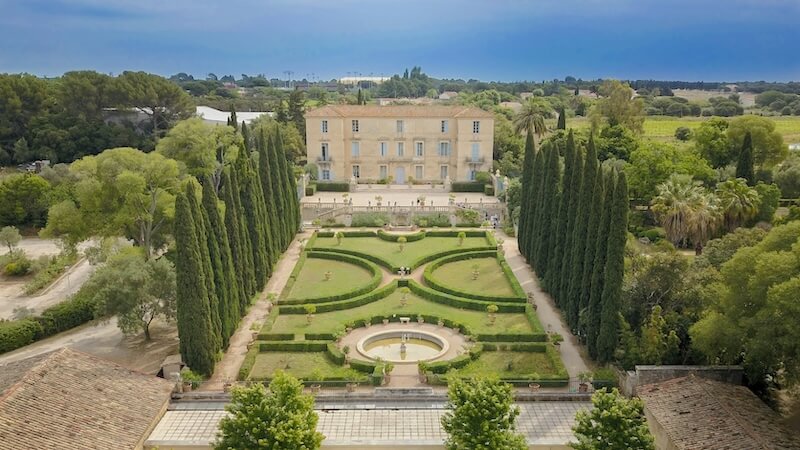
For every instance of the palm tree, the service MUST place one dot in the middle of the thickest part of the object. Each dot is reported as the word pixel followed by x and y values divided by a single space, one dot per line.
pixel 531 117
pixel 686 210
pixel 739 202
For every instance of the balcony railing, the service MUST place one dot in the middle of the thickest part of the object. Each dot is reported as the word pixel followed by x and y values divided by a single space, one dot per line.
pixel 478 160
pixel 324 159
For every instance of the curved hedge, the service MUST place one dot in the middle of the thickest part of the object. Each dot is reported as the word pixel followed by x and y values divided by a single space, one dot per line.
pixel 431 281
pixel 412 237
pixel 377 276
pixel 342 304
pixel 459 302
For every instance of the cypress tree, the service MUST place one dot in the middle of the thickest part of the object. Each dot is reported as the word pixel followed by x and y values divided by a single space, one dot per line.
pixel 579 234
pixel 283 194
pixel 562 119
pixel 534 203
pixel 595 307
pixel 193 313
pixel 744 167
pixel 205 263
pixel 244 238
pixel 233 121
pixel 525 198
pixel 238 253
pixel 553 281
pixel 221 288
pixel 261 216
pixel 229 279
pixel 615 269
pixel 252 220
pixel 360 99
pixel 246 136
pixel 294 200
pixel 289 192
pixel 549 207
pixel 567 266
pixel 278 192
pixel 592 225
pixel 266 173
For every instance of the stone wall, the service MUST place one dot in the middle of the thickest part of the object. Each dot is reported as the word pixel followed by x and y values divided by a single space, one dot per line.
pixel 656 374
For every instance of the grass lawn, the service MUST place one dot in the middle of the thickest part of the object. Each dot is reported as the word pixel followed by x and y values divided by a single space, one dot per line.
pixel 390 251
pixel 300 365
pixel 509 365
pixel 311 280
pixel 476 321
pixel 458 275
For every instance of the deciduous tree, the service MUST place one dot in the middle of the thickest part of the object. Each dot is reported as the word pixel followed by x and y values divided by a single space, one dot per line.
pixel 613 423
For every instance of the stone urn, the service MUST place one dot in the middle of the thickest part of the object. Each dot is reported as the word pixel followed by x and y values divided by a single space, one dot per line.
pixel 351 387
pixel 315 388
pixel 534 387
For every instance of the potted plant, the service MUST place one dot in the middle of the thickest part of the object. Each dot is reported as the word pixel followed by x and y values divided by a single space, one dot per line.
pixel 316 376
pixel 440 323
pixel 310 310
pixel 420 319
pixel 351 387
pixel 422 368
pixel 386 321
pixel 534 386
pixel 556 339
pixel 585 378
pixel 190 380
pixel 387 370
pixel 346 351
pixel 492 310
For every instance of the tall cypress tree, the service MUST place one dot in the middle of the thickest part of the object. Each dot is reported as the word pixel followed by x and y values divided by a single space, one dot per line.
pixel 561 227
pixel 547 223
pixel 244 237
pixel 205 263
pixel 278 191
pixel 246 136
pixel 294 200
pixel 592 226
pixel 252 220
pixel 525 197
pixel 534 203
pixel 262 217
pixel 266 173
pixel 233 121
pixel 288 213
pixel 562 119
pixel 567 266
pixel 595 306
pixel 744 167
pixel 579 234
pixel 607 337
pixel 238 252
pixel 229 280
pixel 222 290
pixel 193 313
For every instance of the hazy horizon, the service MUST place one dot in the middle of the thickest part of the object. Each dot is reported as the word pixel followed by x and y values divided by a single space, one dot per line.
pixel 512 40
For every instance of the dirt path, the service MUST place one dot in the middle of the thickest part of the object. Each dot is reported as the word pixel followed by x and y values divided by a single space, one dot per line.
pixel 67 284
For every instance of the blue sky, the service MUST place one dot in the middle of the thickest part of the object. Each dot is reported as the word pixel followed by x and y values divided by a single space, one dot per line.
pixel 484 39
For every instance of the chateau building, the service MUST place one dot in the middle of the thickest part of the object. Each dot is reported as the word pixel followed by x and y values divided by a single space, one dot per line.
pixel 398 144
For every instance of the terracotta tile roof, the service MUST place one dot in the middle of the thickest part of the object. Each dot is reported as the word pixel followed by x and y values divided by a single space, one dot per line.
pixel 697 413
pixel 66 399
pixel 397 111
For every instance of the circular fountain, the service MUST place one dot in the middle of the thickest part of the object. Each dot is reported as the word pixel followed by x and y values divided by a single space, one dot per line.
pixel 403 346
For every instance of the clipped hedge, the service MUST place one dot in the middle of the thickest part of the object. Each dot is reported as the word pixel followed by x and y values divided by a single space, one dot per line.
pixel 333 353
pixel 466 186
pixel 432 282
pixel 533 319
pixel 344 304
pixel 363 366
pixel 488 190
pixel 369 219
pixel 248 363
pixel 293 346
pixel 276 336
pixel 371 267
pixel 376 378
pixel 411 237
pixel 515 286
pixel 333 186
pixel 320 337
pixel 311 189
pixel 355 253
pixel 432 220
pixel 454 233
pixel 508 337
pixel 18 333
pixel 458 302
pixel 532 347
pixel 293 276
pixel 457 362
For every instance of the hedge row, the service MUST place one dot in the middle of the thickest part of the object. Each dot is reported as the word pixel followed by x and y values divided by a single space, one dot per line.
pixel 333 186
pixel 506 337
pixel 18 333
pixel 342 305
pixel 455 363
pixel 458 302
pixel 431 281
pixel 334 354
pixel 363 366
pixel 533 319
pixel 276 337
pixel 515 286
pixel 346 234
pixel 293 346
pixel 371 267
pixel 320 337
pixel 355 253
pixel 534 347
pixel 293 276
pixel 248 363
pixel 412 237
pixel 454 233
pixel 466 186
pixel 377 375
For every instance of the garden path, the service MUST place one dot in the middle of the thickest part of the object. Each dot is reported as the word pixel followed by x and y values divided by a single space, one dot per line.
pixel 571 351
pixel 228 369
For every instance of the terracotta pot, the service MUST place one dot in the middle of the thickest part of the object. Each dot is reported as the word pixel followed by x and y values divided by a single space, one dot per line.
pixel 386 321
pixel 534 387
pixel 583 387
pixel 315 388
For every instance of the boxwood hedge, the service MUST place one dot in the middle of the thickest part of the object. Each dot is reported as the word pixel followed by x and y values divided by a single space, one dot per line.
pixel 391 237
pixel 459 302
pixel 371 267
pixel 293 346
pixel 343 304
pixel 431 281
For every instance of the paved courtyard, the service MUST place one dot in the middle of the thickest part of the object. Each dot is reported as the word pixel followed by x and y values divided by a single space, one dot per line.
pixel 544 423
pixel 401 195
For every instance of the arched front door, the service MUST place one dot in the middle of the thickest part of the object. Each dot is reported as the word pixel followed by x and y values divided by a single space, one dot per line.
pixel 400 175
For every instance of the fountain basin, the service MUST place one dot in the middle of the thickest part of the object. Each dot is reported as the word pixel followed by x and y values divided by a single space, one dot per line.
pixel 419 346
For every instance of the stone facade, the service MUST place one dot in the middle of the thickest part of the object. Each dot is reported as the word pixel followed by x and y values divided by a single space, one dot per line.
pixel 399 144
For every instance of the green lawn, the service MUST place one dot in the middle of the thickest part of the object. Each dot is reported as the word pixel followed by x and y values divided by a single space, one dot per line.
pixel 390 251
pixel 311 280
pixel 458 275
pixel 476 321
pixel 509 365
pixel 300 365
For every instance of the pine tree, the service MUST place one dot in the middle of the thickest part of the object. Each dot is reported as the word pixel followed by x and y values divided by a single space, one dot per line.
pixel 579 234
pixel 567 266
pixel 595 306
pixel 744 167
pixel 592 225
pixel 219 232
pixel 547 223
pixel 266 173
pixel 193 313
pixel 244 237
pixel 614 271
pixel 222 290
pixel 561 227
pixel 534 206
pixel 525 198
pixel 238 253
pixel 205 262
pixel 562 119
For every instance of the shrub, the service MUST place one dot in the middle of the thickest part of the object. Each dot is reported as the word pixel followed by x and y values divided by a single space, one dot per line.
pixel 483 177
pixel 458 302
pixel 396 237
pixel 333 186
pixel 311 189
pixel 370 219
pixel 377 375
pixel 334 354
pixel 248 363
pixel 293 346
pixel 466 186
pixel 683 133
pixel 277 336
pixel 468 217
pixel 18 333
pixel 488 190
pixel 68 314
pixel 432 220
pixel 363 366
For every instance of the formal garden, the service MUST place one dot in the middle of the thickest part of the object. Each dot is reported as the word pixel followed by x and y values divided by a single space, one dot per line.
pixel 455 282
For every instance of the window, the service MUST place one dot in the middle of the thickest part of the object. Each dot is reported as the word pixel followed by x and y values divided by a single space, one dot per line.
pixel 355 126
pixel 357 171
pixel 442 172
pixel 324 126
pixel 417 172
pixel 326 174
pixel 401 147
pixel 419 149
pixel 325 154
pixel 384 172
pixel 355 149
pixel 444 149
pixel 471 175
pixel 476 151
pixel 445 126
pixel 384 149
pixel 476 126
pixel 400 126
